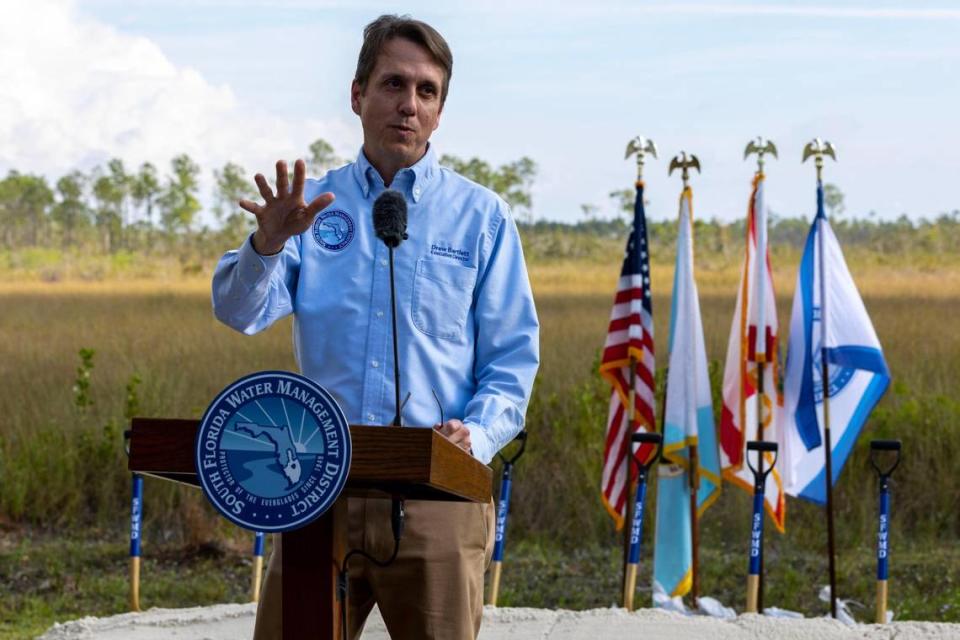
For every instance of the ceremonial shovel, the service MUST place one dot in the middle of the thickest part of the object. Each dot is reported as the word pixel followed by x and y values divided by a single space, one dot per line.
pixel 257 566
pixel 883 532
pixel 136 520
pixel 503 509
pixel 636 526
pixel 756 534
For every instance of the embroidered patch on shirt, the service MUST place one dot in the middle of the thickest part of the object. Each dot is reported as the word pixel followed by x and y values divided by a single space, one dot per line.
pixel 333 229
pixel 444 251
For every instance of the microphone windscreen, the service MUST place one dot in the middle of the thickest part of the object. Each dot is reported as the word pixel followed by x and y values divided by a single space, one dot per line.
pixel 390 218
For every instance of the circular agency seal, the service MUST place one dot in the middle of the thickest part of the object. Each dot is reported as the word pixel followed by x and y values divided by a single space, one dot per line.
pixel 273 451
pixel 839 376
pixel 333 229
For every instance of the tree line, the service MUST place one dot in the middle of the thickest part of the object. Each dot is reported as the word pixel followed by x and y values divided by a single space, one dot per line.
pixel 114 208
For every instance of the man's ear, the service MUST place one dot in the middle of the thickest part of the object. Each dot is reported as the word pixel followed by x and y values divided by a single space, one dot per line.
pixel 355 97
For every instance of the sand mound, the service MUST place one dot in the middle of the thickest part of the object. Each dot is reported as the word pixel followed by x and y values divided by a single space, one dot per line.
pixel 233 621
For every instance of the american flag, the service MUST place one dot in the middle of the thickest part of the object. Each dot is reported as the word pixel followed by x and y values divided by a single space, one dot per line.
pixel 630 334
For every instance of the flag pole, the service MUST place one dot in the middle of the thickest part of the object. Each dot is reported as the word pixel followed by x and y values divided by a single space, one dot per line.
pixel 639 146
pixel 818 148
pixel 694 477
pixel 694 522
pixel 685 163
pixel 760 466
pixel 658 459
pixel 760 147
pixel 825 377
pixel 628 486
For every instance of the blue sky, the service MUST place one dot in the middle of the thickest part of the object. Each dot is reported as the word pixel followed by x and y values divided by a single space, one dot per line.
pixel 567 84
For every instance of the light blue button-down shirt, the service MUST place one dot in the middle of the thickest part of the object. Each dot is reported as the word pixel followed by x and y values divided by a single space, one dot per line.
pixel 467 325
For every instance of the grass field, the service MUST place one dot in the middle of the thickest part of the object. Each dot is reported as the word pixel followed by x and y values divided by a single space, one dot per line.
pixel 62 468
pixel 55 578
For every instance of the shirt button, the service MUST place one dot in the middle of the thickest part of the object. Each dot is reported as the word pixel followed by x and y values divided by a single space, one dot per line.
pixel 383 262
pixel 371 417
pixel 416 191
pixel 374 364
pixel 379 313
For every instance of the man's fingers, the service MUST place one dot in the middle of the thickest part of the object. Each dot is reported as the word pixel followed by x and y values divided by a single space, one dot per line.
pixel 322 201
pixel 460 436
pixel 299 175
pixel 250 206
pixel 456 432
pixel 449 426
pixel 263 188
pixel 283 182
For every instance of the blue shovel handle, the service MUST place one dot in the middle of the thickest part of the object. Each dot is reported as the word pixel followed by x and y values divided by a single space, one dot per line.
pixel 136 515
pixel 759 483
pixel 755 565
pixel 883 535
pixel 636 527
pixel 756 534
pixel 503 509
pixel 883 532
pixel 503 506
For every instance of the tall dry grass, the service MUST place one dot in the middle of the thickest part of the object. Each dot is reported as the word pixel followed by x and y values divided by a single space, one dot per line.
pixel 63 466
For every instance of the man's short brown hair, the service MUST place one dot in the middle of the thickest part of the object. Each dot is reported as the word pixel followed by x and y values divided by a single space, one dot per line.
pixel 386 28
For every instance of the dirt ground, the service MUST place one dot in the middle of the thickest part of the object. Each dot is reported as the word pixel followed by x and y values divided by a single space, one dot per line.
pixel 229 622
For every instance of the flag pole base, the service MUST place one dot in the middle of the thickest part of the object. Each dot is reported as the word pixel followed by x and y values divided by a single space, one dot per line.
pixel 495 568
pixel 753 592
pixel 629 586
pixel 881 602
pixel 135 583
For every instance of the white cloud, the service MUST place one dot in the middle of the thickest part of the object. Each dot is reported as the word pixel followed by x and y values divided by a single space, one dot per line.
pixel 75 92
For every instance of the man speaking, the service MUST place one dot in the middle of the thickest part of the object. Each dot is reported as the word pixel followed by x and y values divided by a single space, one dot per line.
pixel 467 326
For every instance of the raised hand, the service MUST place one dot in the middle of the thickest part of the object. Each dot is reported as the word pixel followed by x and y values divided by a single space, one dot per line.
pixel 285 214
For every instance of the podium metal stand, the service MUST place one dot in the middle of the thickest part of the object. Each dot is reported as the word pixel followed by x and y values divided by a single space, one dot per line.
pixel 415 463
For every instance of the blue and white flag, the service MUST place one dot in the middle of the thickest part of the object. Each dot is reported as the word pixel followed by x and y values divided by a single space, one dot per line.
pixel 688 421
pixel 858 374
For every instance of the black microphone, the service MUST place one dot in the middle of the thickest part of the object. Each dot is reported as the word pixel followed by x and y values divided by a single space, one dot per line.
pixel 390 218
pixel 390 225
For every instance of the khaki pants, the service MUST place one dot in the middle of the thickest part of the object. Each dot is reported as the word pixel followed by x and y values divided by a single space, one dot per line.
pixel 432 590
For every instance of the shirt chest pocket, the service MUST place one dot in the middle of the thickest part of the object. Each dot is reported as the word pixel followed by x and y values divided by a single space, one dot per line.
pixel 442 294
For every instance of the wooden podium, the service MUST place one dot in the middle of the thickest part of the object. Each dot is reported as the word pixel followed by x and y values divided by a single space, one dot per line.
pixel 416 463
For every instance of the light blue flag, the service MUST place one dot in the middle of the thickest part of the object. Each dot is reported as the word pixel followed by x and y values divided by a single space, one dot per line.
pixel 857 372
pixel 689 421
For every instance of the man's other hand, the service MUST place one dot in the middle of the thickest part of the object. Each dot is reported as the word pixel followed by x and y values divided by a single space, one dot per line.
pixel 456 432
pixel 283 214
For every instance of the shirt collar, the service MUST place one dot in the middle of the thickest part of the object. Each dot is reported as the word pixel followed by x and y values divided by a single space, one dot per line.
pixel 413 181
